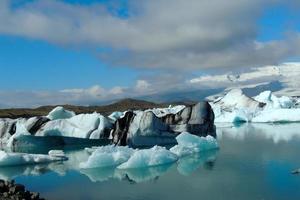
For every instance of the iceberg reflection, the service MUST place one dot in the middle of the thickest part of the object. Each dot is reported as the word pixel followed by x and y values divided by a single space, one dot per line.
pixel 276 132
pixel 189 164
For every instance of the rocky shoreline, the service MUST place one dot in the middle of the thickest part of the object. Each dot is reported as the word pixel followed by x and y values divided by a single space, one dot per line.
pixel 11 190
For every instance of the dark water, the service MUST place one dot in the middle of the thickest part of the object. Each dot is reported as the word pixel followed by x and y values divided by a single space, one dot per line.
pixel 254 162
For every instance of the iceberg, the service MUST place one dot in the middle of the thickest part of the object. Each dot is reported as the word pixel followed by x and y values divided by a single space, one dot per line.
pixel 266 107
pixel 107 156
pixel 149 157
pixel 158 126
pixel 13 159
pixel 162 112
pixel 161 126
pixel 60 113
pixel 190 144
pixel 116 115
pixel 79 126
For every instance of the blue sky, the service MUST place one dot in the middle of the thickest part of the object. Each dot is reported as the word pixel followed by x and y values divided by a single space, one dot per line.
pixel 131 48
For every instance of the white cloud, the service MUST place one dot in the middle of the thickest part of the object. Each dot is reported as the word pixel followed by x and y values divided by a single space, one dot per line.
pixel 287 73
pixel 158 33
pixel 142 85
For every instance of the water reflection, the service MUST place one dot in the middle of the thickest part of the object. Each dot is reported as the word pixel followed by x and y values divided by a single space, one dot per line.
pixel 189 164
pixel 276 132
pixel 185 166
pixel 9 173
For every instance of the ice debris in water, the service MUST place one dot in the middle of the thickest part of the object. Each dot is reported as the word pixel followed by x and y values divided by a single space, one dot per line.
pixel 60 113
pixel 13 159
pixel 189 144
pixel 127 158
pixel 56 153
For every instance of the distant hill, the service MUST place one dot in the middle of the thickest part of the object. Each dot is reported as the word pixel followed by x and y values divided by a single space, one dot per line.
pixel 121 105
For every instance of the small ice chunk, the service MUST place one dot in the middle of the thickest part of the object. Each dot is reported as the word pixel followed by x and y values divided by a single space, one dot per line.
pixel 60 113
pixel 13 159
pixel 189 144
pixel 116 115
pixel 149 157
pixel 56 153
pixel 107 156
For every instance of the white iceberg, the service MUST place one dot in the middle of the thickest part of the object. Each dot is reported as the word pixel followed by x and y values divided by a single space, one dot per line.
pixel 189 144
pixel 149 157
pixel 128 158
pixel 90 126
pixel 60 113
pixel 116 115
pixel 274 102
pixel 263 108
pixel 161 112
pixel 13 159
pixel 107 156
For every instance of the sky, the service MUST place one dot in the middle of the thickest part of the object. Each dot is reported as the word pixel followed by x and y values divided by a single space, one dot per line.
pixel 88 51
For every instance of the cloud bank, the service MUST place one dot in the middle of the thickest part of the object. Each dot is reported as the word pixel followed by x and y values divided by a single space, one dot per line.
pixel 178 34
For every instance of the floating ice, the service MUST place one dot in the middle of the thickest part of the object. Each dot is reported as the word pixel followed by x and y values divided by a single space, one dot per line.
pixel 60 113
pixel 189 144
pixel 161 112
pixel 274 102
pixel 116 115
pixel 265 107
pixel 57 153
pixel 149 157
pixel 79 126
pixel 107 156
pixel 12 159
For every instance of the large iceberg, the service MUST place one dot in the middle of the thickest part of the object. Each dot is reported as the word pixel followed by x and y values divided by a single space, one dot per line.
pixel 161 126
pixel 12 159
pixel 158 126
pixel 266 107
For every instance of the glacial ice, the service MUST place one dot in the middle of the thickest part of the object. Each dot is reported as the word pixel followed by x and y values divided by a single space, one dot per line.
pixel 107 156
pixel 60 113
pixel 161 112
pixel 79 126
pixel 116 115
pixel 189 144
pixel 149 157
pixel 12 159
pixel 128 158
pixel 263 108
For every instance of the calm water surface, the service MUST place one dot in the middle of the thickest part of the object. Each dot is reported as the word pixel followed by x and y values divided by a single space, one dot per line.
pixel 254 162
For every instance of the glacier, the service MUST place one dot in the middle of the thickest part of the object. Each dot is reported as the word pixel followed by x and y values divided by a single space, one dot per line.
pixel 236 107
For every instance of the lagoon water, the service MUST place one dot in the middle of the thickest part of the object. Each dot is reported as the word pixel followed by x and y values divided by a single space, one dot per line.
pixel 254 162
